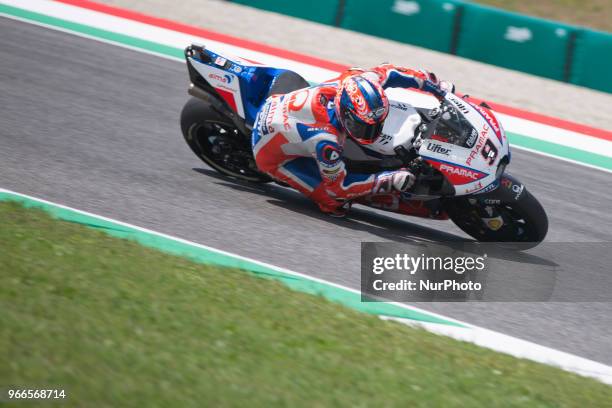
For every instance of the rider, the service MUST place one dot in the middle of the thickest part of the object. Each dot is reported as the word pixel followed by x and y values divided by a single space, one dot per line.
pixel 298 137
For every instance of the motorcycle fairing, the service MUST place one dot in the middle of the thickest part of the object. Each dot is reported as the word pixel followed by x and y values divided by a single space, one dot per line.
pixel 398 130
pixel 226 84
pixel 465 166
pixel 242 85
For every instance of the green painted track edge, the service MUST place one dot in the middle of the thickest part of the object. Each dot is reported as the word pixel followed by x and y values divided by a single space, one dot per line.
pixel 210 256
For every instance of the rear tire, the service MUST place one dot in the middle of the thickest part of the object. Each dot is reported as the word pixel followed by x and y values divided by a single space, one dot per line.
pixel 525 221
pixel 218 143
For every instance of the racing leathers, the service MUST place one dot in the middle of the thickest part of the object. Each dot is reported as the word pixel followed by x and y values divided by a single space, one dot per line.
pixel 297 139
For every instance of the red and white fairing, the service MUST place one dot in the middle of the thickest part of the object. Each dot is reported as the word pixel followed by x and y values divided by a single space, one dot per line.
pixel 226 83
pixel 472 169
pixel 469 169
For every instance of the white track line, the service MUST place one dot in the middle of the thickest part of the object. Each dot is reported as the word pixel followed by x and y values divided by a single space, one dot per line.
pixel 160 35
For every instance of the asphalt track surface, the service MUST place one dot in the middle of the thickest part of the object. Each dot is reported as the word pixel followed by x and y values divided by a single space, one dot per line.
pixel 95 127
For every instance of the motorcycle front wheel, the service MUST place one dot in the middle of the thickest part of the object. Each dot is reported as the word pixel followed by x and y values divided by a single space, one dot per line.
pixel 524 220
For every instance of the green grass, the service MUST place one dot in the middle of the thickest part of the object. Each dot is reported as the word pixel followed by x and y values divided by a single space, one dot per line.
pixel 117 324
pixel 589 13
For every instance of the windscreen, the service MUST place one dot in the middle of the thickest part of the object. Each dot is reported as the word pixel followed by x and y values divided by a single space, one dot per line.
pixel 452 127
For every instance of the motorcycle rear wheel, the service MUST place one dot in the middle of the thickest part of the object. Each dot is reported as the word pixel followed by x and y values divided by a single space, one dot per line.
pixel 218 143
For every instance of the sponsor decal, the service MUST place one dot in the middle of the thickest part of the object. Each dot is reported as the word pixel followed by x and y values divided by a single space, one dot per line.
pixel 384 139
pixel 460 105
pixel 285 112
pixel 489 201
pixel 220 61
pixel 475 188
pixel 491 120
pixel 488 118
pixel 224 79
pixel 329 156
pixel 490 187
pixel 479 145
pixel 459 171
pixel 400 106
pixel 225 83
pixel 472 139
pixel 495 223
pixel 265 118
pixel 436 148
pixel 517 189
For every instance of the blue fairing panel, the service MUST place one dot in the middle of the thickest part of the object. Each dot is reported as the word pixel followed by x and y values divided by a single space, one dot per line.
pixel 255 81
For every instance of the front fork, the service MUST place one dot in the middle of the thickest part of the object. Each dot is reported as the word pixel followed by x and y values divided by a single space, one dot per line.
pixel 488 213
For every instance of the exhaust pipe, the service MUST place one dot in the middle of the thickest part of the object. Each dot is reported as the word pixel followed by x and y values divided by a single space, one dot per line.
pixel 198 92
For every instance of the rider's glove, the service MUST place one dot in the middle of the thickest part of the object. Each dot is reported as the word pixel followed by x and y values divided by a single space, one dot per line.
pixel 435 89
pixel 447 86
pixel 400 180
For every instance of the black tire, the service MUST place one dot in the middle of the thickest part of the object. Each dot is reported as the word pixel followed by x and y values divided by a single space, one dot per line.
pixel 201 126
pixel 525 221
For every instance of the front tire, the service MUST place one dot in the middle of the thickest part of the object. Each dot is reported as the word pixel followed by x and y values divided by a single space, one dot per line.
pixel 525 221
pixel 218 143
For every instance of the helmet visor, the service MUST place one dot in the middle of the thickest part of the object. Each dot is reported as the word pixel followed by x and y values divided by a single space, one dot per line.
pixel 363 132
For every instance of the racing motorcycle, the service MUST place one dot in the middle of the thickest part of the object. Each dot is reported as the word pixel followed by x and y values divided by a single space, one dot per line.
pixel 456 148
